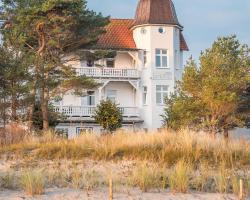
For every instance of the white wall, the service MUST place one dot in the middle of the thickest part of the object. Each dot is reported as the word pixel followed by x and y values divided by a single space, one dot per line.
pixel 124 61
pixel 125 93
pixel 151 76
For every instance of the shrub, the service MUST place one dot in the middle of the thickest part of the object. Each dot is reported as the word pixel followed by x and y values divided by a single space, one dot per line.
pixel 109 116
pixel 33 182
pixel 179 178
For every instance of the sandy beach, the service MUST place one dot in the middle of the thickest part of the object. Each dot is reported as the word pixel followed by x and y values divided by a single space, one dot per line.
pixel 102 194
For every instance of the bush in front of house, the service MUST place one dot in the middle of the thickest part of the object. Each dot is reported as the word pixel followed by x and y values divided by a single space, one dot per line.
pixel 109 116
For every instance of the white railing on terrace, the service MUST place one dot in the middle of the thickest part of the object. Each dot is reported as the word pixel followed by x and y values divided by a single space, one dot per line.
pixel 107 72
pixel 79 111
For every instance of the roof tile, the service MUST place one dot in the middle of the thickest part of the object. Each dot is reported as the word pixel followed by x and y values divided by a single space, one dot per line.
pixel 119 36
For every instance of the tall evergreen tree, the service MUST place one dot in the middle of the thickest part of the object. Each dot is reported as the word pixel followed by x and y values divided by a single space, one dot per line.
pixel 53 30
pixel 15 79
pixel 211 94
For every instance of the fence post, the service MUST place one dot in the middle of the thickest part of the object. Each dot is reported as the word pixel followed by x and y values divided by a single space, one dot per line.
pixel 241 195
pixel 110 189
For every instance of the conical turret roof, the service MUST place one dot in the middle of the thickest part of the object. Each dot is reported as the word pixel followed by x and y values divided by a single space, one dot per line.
pixel 156 12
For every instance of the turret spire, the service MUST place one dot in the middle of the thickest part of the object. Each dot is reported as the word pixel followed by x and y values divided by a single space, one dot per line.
pixel 156 12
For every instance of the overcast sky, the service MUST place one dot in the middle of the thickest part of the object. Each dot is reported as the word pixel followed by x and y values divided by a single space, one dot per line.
pixel 203 20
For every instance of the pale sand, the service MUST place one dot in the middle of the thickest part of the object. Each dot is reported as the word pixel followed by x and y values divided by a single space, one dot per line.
pixel 102 194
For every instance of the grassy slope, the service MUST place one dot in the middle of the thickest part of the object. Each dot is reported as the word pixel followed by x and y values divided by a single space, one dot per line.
pixel 181 161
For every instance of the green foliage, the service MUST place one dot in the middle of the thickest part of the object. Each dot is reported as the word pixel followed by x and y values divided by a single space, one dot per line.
pixel 54 117
pixel 108 115
pixel 53 31
pixel 14 82
pixel 210 95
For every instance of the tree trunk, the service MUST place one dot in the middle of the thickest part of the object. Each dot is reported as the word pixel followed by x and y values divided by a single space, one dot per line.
pixel 13 107
pixel 226 133
pixel 44 98
pixel 4 113
pixel 31 108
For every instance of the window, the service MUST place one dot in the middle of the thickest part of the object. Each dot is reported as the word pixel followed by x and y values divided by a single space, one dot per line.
pixel 90 63
pixel 112 95
pixel 62 132
pixel 88 100
pixel 145 93
pixel 162 30
pixel 176 56
pixel 143 31
pixel 161 93
pixel 145 57
pixel 161 58
pixel 110 63
pixel 83 130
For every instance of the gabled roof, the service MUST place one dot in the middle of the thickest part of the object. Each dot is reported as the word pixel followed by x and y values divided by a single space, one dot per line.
pixel 156 12
pixel 119 36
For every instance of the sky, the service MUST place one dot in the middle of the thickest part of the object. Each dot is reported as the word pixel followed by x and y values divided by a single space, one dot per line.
pixel 203 20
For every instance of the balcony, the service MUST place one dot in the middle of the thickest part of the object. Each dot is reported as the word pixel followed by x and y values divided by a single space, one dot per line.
pixel 108 72
pixel 78 111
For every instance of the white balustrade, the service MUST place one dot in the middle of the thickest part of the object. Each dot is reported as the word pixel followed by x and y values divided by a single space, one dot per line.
pixel 79 111
pixel 107 72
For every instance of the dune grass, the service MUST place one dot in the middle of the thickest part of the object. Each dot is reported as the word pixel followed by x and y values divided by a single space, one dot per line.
pixel 182 161
pixel 162 147
pixel 32 182
pixel 179 178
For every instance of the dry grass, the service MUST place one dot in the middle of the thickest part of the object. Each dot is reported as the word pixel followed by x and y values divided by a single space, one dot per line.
pixel 148 177
pixel 179 178
pixel 162 147
pixel 12 133
pixel 33 182
pixel 182 161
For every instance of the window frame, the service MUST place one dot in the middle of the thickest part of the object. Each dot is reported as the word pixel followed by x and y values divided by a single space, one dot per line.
pixel 145 58
pixel 145 95
pixel 114 96
pixel 163 94
pixel 162 56
pixel 110 60
pixel 89 130
pixel 88 99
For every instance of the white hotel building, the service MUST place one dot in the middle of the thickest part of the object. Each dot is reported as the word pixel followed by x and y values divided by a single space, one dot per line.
pixel 149 59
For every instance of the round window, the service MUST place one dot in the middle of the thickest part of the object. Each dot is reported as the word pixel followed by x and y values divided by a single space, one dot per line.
pixel 162 30
pixel 143 31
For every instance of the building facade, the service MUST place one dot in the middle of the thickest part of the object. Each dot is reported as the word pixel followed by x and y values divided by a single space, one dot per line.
pixel 147 63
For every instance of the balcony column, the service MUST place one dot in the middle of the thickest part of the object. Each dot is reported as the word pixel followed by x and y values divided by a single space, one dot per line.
pixel 100 94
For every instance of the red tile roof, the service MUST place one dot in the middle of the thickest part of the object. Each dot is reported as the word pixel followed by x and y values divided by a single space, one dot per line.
pixel 119 36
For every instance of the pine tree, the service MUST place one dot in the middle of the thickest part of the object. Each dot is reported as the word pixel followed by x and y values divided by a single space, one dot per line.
pixel 54 30
pixel 210 94
pixel 15 79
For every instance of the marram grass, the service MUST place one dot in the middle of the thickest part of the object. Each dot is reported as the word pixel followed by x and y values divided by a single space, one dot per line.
pixel 163 147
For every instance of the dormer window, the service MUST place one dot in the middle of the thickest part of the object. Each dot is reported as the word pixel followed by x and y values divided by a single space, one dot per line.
pixel 162 30
pixel 110 62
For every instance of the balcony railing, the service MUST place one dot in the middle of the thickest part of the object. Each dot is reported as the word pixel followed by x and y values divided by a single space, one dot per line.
pixel 79 111
pixel 107 72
